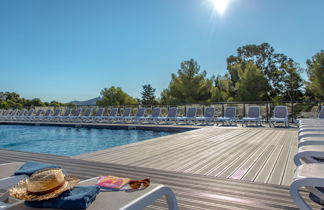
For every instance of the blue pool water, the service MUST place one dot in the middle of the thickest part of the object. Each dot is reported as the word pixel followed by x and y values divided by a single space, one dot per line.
pixel 68 141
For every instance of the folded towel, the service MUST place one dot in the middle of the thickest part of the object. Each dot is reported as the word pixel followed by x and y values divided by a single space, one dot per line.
pixel 79 197
pixel 30 167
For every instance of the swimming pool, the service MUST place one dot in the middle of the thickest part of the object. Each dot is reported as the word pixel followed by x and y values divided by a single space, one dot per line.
pixel 68 141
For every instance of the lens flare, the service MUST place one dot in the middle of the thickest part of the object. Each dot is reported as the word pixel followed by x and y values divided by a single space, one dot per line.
pixel 220 5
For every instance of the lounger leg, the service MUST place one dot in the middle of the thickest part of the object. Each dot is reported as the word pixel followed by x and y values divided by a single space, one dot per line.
pixel 299 201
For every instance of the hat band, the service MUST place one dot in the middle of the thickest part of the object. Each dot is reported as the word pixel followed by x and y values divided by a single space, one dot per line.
pixel 47 191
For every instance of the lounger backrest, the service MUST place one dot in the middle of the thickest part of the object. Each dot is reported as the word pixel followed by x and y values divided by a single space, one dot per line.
pixel 77 113
pixel 173 112
pixel 156 112
pixel 191 112
pixel 254 112
pixel 67 112
pixel 140 112
pixel 87 112
pixel 47 113
pixel 280 112
pixel 209 112
pixel 127 112
pixel 100 112
pixel 230 112
pixel 321 113
pixel 14 112
pixel 39 112
pixel 23 112
pixel 30 113
pixel 57 113
pixel 113 112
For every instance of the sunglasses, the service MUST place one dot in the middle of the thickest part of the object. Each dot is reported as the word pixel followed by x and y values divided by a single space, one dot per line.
pixel 136 184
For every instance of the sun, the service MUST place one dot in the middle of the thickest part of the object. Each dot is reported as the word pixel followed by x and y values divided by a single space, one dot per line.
pixel 220 5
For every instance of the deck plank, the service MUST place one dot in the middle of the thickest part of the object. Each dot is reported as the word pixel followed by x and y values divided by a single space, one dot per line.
pixel 192 191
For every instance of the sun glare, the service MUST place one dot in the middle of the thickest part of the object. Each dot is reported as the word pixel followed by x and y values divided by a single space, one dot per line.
pixel 220 5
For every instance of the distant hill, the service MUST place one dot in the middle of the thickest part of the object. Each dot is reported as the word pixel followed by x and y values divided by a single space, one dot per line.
pixel 90 102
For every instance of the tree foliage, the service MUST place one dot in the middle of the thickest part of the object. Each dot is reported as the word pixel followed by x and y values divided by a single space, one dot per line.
pixel 189 85
pixel 115 96
pixel 148 94
pixel 315 71
pixel 251 85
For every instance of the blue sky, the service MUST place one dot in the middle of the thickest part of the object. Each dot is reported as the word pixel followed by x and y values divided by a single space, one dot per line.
pixel 71 49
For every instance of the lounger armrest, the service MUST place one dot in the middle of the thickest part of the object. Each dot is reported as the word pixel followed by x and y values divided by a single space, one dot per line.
pixel 307 154
pixel 309 176
pixel 150 197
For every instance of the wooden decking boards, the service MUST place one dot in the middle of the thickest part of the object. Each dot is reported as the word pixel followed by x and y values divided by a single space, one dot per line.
pixel 192 191
pixel 263 155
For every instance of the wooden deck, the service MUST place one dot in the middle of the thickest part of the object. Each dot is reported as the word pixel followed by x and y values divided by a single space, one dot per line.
pixel 192 191
pixel 263 155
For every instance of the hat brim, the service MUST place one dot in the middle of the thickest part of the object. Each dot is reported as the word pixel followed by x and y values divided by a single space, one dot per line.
pixel 20 190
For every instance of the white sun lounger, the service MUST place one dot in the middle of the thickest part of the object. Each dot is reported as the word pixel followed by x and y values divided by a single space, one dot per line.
pixel 154 116
pixel 36 116
pixel 172 115
pixel 280 115
pixel 98 116
pixel 309 154
pixel 55 115
pixel 125 115
pixel 21 115
pixel 253 116
pixel 112 115
pixel 321 113
pixel 208 115
pixel 45 116
pixel 75 116
pixel 138 117
pixel 86 115
pixel 310 177
pixel 104 200
pixel 229 116
pixel 190 116
pixel 65 116
pixel 28 116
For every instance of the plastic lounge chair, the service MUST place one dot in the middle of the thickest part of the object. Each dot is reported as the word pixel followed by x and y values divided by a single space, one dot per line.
pixel 12 115
pixel 309 154
pixel 98 116
pixel 155 115
pixel 28 116
pixel 172 115
pixel 116 200
pixel 125 115
pixel 46 115
pixel 112 115
pixel 321 113
pixel 310 177
pixel 280 115
pixel 36 116
pixel 208 115
pixel 138 117
pixel 190 116
pixel 55 115
pixel 75 116
pixel 65 115
pixel 253 116
pixel 86 115
pixel 229 116
pixel 21 115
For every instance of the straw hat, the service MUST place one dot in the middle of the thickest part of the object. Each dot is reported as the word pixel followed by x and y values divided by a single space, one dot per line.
pixel 43 185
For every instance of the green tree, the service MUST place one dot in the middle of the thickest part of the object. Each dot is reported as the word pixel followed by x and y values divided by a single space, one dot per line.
pixel 315 71
pixel 292 82
pixel 270 63
pixel 189 85
pixel 251 85
pixel 148 94
pixel 115 96
pixel 222 90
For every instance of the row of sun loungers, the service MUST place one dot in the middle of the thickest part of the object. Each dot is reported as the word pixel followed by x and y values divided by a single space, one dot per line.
pixel 280 115
pixel 309 160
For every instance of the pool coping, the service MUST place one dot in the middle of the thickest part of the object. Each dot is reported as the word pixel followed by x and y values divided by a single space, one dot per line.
pixel 152 127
